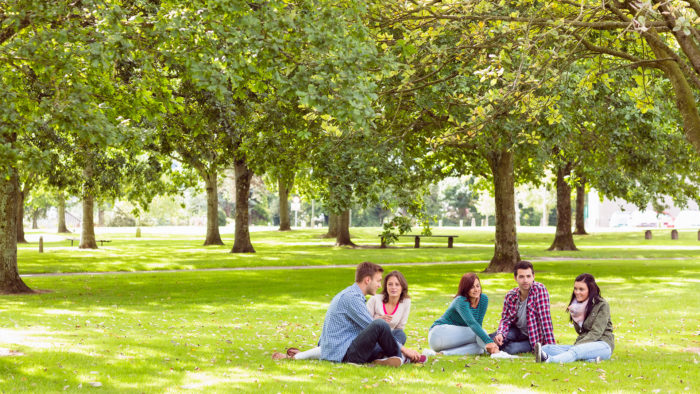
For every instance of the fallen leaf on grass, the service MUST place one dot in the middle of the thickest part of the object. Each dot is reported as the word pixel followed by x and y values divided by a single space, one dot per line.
pixel 95 384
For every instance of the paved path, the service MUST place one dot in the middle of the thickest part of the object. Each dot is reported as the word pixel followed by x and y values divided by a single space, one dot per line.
pixel 310 267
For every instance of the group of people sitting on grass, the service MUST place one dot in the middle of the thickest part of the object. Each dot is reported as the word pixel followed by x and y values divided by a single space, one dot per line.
pixel 359 332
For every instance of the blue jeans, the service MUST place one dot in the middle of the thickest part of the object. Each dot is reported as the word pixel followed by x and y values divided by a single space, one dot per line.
pixel 515 342
pixel 585 351
pixel 399 335
pixel 454 340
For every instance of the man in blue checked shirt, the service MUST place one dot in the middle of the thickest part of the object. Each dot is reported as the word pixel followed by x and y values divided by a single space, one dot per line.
pixel 350 335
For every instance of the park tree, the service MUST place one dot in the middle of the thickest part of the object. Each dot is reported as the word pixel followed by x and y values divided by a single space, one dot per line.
pixel 304 52
pixel 607 138
pixel 475 90
pixel 39 203
pixel 61 212
pixel 202 135
pixel 72 52
pixel 653 35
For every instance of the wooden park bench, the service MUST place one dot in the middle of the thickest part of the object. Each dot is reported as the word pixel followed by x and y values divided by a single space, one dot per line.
pixel 101 241
pixel 450 239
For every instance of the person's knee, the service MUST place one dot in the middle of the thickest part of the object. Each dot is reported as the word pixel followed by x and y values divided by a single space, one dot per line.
pixel 381 323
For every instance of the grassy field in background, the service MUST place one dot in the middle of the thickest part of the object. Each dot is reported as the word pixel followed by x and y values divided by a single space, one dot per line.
pixel 215 331
pixel 171 251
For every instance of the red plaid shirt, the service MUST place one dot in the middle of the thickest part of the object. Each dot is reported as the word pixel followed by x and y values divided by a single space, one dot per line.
pixel 539 321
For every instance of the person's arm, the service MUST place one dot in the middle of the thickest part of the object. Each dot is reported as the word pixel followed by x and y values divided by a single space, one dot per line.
pixel 356 311
pixel 506 317
pixel 405 309
pixel 546 317
pixel 466 314
pixel 600 323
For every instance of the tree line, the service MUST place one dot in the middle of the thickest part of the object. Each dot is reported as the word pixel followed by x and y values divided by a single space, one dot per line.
pixel 350 101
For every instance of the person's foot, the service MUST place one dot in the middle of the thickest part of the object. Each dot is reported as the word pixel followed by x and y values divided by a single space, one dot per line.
pixel 540 356
pixel 292 351
pixel 429 352
pixel 388 361
pixel 278 356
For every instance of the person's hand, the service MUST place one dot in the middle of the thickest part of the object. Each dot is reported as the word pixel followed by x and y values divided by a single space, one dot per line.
pixel 498 339
pixel 492 348
pixel 386 318
pixel 411 354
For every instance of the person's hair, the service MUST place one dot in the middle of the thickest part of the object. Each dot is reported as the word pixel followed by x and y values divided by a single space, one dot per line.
pixel 522 265
pixel 402 281
pixel 466 284
pixel 366 268
pixel 593 293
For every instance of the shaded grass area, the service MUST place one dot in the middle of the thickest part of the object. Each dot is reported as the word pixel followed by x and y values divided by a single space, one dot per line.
pixel 166 251
pixel 215 332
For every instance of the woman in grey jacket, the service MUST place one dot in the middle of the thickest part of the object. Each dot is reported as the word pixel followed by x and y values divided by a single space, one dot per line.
pixel 590 314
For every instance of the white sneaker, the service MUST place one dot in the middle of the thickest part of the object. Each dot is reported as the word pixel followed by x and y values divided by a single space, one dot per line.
pixel 429 352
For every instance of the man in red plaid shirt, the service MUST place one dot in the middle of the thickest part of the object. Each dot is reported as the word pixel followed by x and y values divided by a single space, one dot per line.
pixel 525 319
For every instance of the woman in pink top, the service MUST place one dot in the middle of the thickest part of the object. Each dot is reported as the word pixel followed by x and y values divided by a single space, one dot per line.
pixel 393 305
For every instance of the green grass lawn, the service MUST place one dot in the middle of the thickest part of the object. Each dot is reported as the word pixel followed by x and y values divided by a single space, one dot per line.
pixel 166 251
pixel 215 331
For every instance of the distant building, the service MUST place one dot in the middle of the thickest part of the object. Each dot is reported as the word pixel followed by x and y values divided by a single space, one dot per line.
pixel 620 213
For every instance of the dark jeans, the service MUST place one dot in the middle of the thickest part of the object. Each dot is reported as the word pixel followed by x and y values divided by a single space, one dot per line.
pixel 374 340
pixel 515 342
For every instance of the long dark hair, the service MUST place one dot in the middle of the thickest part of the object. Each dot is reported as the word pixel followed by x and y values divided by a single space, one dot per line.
pixel 466 284
pixel 593 293
pixel 402 281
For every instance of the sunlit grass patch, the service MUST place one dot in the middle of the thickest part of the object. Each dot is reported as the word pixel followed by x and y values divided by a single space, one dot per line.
pixel 215 331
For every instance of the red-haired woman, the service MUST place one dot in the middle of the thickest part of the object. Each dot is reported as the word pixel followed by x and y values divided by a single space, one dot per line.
pixel 459 330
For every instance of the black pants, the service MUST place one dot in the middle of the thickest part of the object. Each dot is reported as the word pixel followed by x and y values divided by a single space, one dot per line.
pixel 364 348
pixel 515 342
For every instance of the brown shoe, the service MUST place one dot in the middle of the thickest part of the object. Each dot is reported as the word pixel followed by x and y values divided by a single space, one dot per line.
pixel 292 351
pixel 388 361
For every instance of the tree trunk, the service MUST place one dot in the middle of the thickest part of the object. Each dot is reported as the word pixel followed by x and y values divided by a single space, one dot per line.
pixel 506 253
pixel 284 187
pixel 20 217
pixel 87 237
pixel 213 236
pixel 10 281
pixel 100 216
pixel 685 99
pixel 241 243
pixel 332 227
pixel 563 238
pixel 580 207
pixel 62 214
pixel 35 218
pixel 343 237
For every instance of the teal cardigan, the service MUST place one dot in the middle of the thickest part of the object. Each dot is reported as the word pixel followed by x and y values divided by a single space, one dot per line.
pixel 460 313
